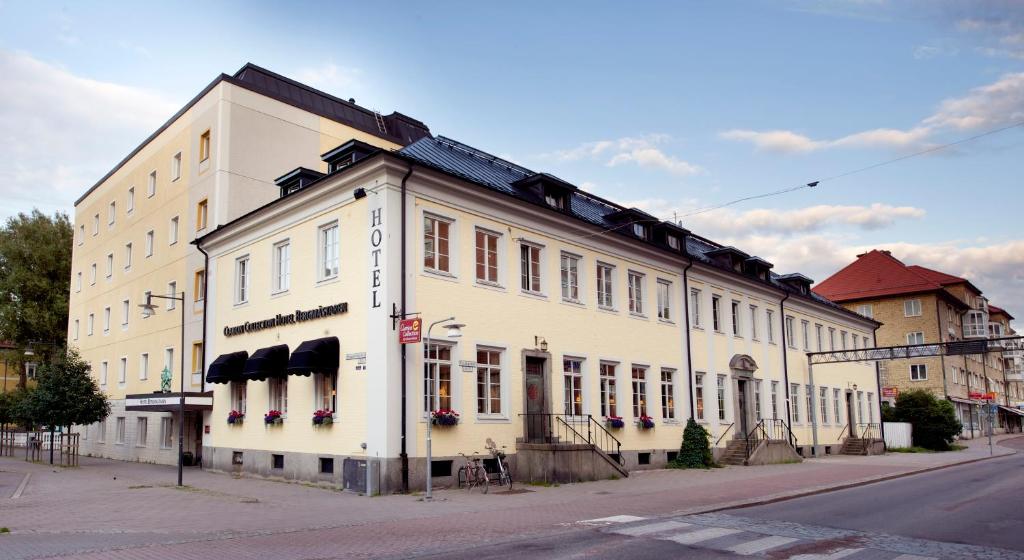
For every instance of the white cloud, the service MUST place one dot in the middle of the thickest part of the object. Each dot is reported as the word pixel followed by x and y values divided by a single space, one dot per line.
pixel 329 77
pixel 61 132
pixel 762 221
pixel 988 106
pixel 642 151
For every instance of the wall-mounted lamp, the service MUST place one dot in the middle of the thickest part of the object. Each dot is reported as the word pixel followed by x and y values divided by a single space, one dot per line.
pixel 540 343
pixel 359 193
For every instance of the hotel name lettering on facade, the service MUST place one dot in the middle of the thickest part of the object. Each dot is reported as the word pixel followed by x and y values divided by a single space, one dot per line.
pixel 280 320
pixel 376 237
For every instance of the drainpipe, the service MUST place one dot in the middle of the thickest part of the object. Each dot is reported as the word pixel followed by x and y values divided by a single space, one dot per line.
pixel 206 283
pixel 403 454
pixel 785 365
pixel 811 411
pixel 686 331
pixel 942 357
pixel 878 386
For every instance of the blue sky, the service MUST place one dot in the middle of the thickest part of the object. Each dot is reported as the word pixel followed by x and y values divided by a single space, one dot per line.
pixel 665 106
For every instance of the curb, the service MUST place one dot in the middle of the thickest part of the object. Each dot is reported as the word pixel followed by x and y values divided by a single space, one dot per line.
pixel 741 504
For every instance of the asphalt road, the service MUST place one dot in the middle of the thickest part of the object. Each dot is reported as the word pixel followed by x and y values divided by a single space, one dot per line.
pixel 968 512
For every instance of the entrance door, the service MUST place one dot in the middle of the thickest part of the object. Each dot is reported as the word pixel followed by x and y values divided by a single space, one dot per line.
pixel 536 408
pixel 741 408
pixel 850 415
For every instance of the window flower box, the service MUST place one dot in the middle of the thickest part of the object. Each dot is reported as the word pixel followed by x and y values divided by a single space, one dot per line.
pixel 323 417
pixel 444 417
pixel 235 417
pixel 614 422
pixel 273 417
pixel 645 423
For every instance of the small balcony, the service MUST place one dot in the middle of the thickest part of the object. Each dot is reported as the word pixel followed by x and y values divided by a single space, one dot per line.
pixel 1015 375
pixel 976 324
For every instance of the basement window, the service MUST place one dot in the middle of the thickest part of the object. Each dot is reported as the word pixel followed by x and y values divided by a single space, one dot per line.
pixel 326 465
pixel 236 458
pixel 440 468
pixel 643 458
pixel 277 461
pixel 671 456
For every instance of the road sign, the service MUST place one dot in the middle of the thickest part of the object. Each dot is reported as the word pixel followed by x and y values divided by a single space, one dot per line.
pixel 890 392
pixel 410 331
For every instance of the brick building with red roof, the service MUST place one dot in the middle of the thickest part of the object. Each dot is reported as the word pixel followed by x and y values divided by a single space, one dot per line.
pixel 920 305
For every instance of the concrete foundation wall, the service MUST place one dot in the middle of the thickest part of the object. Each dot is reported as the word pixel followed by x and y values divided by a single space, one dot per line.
pixel 561 463
pixel 773 453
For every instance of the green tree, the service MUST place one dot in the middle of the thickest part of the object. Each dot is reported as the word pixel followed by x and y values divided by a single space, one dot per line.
pixel 15 407
pixel 65 394
pixel 934 421
pixel 695 451
pixel 35 273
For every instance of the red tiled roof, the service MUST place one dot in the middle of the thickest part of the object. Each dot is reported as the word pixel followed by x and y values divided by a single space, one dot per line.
pixel 875 274
pixel 993 310
pixel 936 276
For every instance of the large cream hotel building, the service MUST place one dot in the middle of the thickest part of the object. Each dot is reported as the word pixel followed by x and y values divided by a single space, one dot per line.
pixel 577 312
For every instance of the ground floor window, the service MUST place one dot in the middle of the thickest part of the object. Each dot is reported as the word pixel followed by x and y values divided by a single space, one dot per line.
pixel 835 405
pixel 823 403
pixel 639 391
pixel 809 395
pixel 437 377
pixel 166 432
pixel 326 392
pixel 757 399
pixel 794 399
pixel 141 431
pixel 698 390
pixel 488 381
pixel 572 374
pixel 278 387
pixel 668 389
pixel 775 399
pixel 721 397
pixel 238 394
pixel 608 390
pixel 119 435
pixel 860 405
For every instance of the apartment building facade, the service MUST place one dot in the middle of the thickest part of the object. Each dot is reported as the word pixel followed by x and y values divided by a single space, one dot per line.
pixel 918 305
pixel 573 307
pixel 213 161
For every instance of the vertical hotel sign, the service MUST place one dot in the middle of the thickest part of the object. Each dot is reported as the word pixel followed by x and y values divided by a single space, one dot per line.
pixel 376 239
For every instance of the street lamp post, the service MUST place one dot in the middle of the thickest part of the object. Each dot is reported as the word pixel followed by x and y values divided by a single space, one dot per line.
pixel 148 310
pixel 453 332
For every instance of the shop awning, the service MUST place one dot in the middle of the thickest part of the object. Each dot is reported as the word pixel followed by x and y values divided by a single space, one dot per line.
pixel 265 363
pixel 1016 411
pixel 227 367
pixel 315 356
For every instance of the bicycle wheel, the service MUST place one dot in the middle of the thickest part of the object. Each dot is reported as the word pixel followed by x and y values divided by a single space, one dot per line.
pixel 482 480
pixel 507 480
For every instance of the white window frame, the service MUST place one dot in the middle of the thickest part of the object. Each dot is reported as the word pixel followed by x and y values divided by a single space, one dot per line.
pixel 119 430
pixel 721 401
pixel 638 384
pixel 128 256
pixel 151 184
pixel 143 366
pixel 769 318
pixel 912 308
pixel 664 297
pixel 106 320
pixel 753 322
pixel 737 319
pixel 794 400
pixel 240 396
pixel 867 310
pixel 141 431
pixel 609 388
pixel 531 273
pixel 916 337
pixel 243 274
pixel 605 285
pixel 572 386
pixel 492 374
pixel 432 378
pixel 104 370
pixel 166 432
pixel 790 331
pixel 150 241
pixel 172 291
pixel 126 310
pixel 918 372
pixel 716 312
pixel 695 316
pixel 112 213
pixel 176 167
pixel 436 239
pixel 569 265
pixel 173 231
pixel 122 371
pixel 699 411
pixel 668 394
pixel 281 258
pixel 328 264
pixel 805 331
pixel 110 265
pixel 637 299
pixel 130 206
pixel 277 394
pixel 490 261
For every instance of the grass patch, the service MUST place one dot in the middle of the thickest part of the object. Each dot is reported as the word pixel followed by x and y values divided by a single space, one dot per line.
pixel 139 486
pixel 956 447
pixel 914 449
pixel 4 530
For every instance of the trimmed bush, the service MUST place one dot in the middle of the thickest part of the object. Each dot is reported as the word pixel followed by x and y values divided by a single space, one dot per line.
pixel 934 420
pixel 695 451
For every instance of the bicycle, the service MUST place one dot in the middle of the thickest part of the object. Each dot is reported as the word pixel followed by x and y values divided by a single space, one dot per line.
pixel 504 475
pixel 473 473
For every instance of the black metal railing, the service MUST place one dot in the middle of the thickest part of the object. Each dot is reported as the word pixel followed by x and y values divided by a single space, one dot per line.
pixel 769 429
pixel 725 433
pixel 868 430
pixel 572 429
pixel 845 432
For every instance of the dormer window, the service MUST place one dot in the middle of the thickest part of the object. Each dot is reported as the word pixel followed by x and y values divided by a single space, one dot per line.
pixel 347 154
pixel 673 242
pixel 555 201
pixel 640 231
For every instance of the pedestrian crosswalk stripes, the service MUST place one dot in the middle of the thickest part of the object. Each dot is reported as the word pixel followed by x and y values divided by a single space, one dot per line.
pixel 780 540
pixel 760 545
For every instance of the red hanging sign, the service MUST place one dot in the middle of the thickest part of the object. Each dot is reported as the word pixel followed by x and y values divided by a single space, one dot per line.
pixel 410 331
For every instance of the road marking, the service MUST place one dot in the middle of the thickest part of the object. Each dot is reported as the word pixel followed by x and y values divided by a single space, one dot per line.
pixel 702 535
pixel 614 519
pixel 759 545
pixel 652 528
pixel 21 487
pixel 913 557
pixel 843 553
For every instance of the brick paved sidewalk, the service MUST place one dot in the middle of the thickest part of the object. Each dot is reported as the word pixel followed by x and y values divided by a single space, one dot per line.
pixel 108 506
